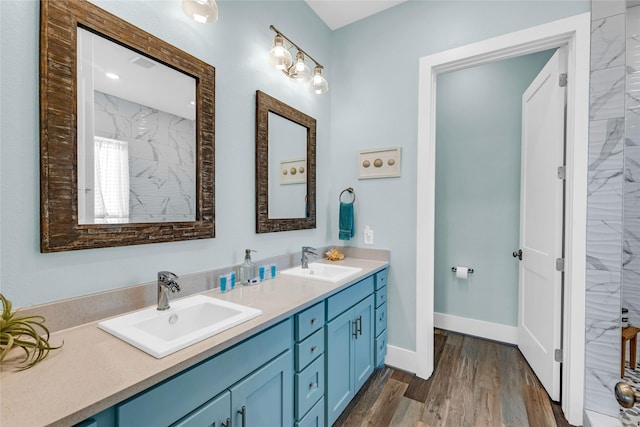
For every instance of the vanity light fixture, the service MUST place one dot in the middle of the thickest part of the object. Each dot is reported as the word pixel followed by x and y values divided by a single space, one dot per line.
pixel 203 11
pixel 280 58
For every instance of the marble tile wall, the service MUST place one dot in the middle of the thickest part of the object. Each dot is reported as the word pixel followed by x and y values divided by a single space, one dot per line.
pixel 162 154
pixel 606 230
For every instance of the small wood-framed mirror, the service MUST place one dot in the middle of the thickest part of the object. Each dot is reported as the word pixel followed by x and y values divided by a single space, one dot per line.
pixel 82 124
pixel 285 167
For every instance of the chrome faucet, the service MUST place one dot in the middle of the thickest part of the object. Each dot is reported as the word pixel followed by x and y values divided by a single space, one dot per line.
pixel 306 251
pixel 166 282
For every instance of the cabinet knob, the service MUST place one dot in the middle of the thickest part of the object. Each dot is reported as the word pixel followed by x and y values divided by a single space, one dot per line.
pixel 313 385
pixel 314 320
pixel 314 348
pixel 226 424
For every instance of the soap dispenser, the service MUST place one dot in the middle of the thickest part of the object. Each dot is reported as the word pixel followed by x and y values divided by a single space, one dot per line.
pixel 247 268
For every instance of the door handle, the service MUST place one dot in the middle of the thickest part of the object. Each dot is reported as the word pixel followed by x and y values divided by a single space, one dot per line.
pixel 243 412
pixel 518 254
pixel 359 325
pixel 626 395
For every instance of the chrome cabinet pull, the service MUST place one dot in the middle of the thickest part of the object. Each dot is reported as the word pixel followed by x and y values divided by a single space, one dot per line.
pixel 227 424
pixel 243 412
pixel 314 320
pixel 359 323
pixel 355 329
pixel 314 348
pixel 313 385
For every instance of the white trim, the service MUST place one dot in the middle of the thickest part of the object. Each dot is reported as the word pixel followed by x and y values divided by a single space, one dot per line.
pixel 574 32
pixel 595 419
pixel 401 358
pixel 477 328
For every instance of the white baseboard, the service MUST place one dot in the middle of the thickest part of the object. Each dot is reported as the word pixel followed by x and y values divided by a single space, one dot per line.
pixel 478 328
pixel 400 358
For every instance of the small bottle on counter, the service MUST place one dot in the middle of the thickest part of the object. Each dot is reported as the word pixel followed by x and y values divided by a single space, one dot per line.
pixel 247 271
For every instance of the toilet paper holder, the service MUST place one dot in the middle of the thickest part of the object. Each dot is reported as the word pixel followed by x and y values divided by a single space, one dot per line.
pixel 454 269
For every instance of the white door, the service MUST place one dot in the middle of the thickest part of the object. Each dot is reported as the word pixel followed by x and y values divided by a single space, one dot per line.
pixel 541 225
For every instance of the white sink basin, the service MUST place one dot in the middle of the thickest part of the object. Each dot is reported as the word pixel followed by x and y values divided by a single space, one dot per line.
pixel 188 321
pixel 325 272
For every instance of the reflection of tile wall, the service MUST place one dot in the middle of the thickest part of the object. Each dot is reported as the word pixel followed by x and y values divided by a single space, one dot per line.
pixel 161 158
pixel 605 205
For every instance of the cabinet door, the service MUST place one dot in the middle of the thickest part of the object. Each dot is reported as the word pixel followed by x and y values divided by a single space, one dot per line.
pixel 339 374
pixel 265 397
pixel 363 342
pixel 215 413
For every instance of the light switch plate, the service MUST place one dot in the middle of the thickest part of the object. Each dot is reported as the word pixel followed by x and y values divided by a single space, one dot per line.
pixel 379 163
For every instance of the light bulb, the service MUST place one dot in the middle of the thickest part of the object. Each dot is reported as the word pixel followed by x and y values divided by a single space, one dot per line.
pixel 279 57
pixel 203 11
pixel 300 72
pixel 318 84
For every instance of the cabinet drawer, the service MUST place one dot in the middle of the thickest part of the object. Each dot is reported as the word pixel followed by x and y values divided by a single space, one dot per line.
pixel 381 348
pixel 381 279
pixel 381 319
pixel 309 387
pixel 309 321
pixel 315 417
pixel 309 349
pixel 345 299
pixel 381 296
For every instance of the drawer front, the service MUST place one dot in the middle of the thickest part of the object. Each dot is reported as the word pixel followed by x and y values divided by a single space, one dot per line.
pixel 381 348
pixel 309 321
pixel 315 417
pixel 213 413
pixel 381 296
pixel 347 298
pixel 381 319
pixel 309 387
pixel 309 349
pixel 381 279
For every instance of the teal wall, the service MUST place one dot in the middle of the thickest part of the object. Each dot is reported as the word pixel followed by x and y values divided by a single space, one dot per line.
pixel 237 46
pixel 374 103
pixel 478 133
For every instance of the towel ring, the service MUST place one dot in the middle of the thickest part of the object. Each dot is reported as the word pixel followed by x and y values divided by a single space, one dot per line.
pixel 350 190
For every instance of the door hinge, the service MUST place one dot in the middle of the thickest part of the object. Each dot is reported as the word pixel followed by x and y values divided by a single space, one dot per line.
pixel 559 264
pixel 563 80
pixel 557 355
pixel 562 172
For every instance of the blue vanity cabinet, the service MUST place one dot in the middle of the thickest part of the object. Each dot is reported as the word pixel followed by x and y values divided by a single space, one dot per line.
pixel 380 344
pixel 349 345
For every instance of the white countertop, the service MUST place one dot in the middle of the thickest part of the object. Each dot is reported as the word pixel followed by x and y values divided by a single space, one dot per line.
pixel 95 370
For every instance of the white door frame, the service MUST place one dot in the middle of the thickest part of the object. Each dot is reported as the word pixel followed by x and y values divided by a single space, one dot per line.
pixel 573 32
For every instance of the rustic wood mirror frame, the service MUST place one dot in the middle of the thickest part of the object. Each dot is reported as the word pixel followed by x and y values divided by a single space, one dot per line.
pixel 264 105
pixel 59 228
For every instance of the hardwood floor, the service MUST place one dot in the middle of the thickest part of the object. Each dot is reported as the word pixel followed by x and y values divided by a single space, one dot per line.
pixel 475 382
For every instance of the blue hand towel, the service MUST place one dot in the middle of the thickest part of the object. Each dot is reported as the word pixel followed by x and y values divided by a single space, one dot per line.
pixel 346 221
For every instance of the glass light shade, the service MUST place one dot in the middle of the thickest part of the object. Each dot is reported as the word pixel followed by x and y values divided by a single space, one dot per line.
pixel 300 71
pixel 203 11
pixel 318 84
pixel 279 57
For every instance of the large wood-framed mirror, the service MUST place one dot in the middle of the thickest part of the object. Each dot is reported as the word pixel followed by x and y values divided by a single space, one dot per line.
pixel 156 152
pixel 285 167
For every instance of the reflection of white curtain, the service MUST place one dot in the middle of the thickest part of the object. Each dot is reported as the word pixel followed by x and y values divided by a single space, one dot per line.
pixel 111 180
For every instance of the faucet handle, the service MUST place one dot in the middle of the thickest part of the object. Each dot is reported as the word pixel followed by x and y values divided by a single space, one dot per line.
pixel 166 276
pixel 309 250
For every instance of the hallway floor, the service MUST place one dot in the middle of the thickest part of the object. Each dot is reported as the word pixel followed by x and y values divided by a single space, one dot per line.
pixel 476 382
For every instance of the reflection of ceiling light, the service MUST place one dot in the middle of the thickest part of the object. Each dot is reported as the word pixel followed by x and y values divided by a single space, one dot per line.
pixel 203 11
pixel 192 102
pixel 112 76
pixel 280 59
